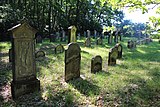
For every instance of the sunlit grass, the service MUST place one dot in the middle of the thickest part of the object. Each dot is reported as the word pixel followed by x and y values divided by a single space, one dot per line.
pixel 134 81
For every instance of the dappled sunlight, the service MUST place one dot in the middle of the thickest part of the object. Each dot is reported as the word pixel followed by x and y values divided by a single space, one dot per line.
pixel 124 83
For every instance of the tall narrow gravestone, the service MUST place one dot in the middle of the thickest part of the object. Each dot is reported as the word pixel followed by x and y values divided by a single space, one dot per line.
pixel 113 54
pixel 72 61
pixel 23 54
pixel 96 64
pixel 119 48
pixel 88 33
pixel 72 36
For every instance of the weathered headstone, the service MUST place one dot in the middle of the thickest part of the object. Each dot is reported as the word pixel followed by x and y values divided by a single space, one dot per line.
pixel 130 44
pixel 59 49
pixel 88 33
pixel 72 36
pixel 119 48
pixel 110 37
pixel 63 36
pixel 115 36
pixel 95 34
pixel 99 41
pixel 40 53
pixel 57 35
pixel 10 55
pixel 113 54
pixel 87 42
pixel 24 67
pixel 72 61
pixel 84 33
pixel 38 39
pixel 96 64
pixel 134 44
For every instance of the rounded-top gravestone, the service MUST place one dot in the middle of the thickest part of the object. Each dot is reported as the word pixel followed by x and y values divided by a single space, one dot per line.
pixel 72 61
pixel 96 64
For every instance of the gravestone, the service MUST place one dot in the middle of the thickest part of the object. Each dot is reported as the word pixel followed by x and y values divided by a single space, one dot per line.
pixel 72 36
pixel 115 36
pixel 84 33
pixel 57 35
pixel 96 64
pixel 95 34
pixel 113 54
pixel 40 54
pixel 119 48
pixel 88 33
pixel 52 37
pixel 79 36
pixel 38 39
pixel 87 42
pixel 10 55
pixel 72 61
pixel 24 67
pixel 99 41
pixel 130 44
pixel 110 37
pixel 134 44
pixel 59 49
pixel 63 36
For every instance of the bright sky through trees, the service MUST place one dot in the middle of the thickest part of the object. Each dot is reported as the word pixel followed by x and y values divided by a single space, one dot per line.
pixel 137 16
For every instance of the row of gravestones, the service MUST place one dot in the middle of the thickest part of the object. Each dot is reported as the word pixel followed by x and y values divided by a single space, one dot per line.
pixel 72 36
pixel 73 60
pixel 40 53
pixel 87 42
pixel 24 66
pixel 132 44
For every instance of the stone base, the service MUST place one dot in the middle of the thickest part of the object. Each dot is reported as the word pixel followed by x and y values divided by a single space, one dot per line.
pixel 24 87
pixel 111 62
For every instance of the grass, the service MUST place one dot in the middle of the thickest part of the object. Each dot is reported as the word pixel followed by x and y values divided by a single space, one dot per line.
pixel 133 82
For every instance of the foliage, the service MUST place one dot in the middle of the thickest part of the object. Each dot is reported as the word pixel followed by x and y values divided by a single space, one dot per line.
pixel 50 16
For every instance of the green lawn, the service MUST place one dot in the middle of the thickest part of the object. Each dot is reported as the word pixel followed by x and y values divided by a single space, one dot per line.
pixel 133 82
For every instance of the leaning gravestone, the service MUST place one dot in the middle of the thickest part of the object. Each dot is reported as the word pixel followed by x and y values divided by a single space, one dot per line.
pixel 87 42
pixel 24 67
pixel 96 64
pixel 119 48
pixel 72 36
pixel 99 41
pixel 10 55
pixel 113 54
pixel 59 49
pixel 72 61
pixel 40 53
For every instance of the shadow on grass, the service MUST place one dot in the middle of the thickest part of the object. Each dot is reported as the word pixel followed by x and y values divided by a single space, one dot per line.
pixel 85 87
pixel 144 53
pixel 103 73
pixel 140 92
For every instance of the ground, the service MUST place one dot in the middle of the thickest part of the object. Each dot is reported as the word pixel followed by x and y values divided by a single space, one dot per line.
pixel 133 82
